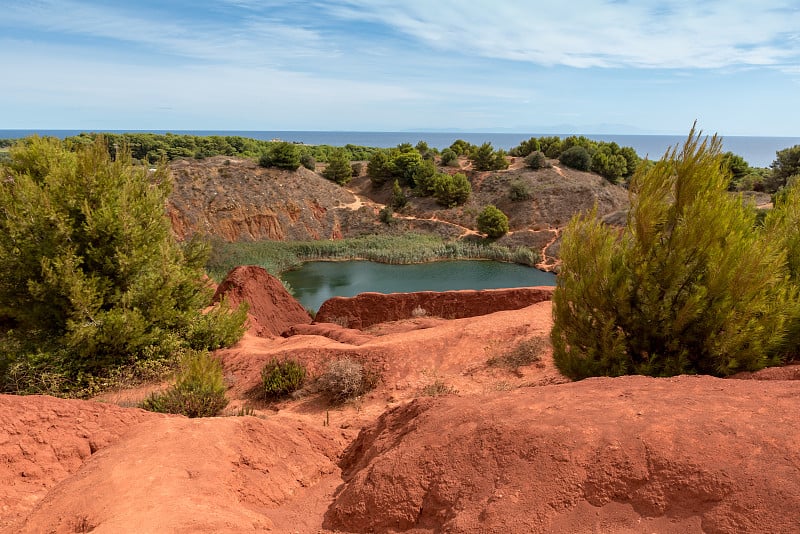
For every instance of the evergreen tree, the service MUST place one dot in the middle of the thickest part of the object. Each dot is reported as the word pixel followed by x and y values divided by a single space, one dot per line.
pixel 339 169
pixel 492 222
pixel 690 286
pixel 91 278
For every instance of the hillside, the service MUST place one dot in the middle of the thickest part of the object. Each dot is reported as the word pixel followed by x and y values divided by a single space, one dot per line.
pixel 236 200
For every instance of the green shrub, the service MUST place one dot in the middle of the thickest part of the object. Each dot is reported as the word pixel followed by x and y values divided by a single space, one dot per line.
pixel 339 169
pixel 520 191
pixel 399 199
pixel 283 155
pixel 576 157
pixel 485 158
pixel 492 222
pixel 690 286
pixel 91 277
pixel 345 380
pixel 386 215
pixel 198 392
pixel 451 191
pixel 281 378
pixel 309 162
pixel 449 158
pixel 536 160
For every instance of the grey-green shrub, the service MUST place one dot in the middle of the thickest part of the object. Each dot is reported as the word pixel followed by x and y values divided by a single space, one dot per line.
pixel 199 390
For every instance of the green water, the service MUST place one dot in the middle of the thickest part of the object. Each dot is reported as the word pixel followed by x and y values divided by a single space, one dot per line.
pixel 317 281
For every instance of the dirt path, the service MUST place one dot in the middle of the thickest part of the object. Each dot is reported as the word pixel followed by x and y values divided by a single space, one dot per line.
pixel 543 264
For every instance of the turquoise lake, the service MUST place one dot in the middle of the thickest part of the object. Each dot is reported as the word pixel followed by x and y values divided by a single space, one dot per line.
pixel 315 282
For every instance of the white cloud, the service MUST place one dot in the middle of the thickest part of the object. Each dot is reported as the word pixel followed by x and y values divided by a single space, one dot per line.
pixel 588 33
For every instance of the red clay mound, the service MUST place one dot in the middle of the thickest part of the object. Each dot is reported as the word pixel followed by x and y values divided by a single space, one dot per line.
pixel 633 454
pixel 368 309
pixel 43 440
pixel 191 475
pixel 272 308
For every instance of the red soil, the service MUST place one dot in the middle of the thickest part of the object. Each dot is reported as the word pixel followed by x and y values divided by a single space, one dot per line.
pixel 502 450
pixel 272 309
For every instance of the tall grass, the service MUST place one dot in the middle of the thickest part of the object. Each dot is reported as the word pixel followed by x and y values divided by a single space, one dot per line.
pixel 279 256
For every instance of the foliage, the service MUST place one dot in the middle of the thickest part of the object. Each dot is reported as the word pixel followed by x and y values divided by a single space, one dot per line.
pixel 198 392
pixel 280 378
pixel 404 165
pixel 309 162
pixel 609 164
pixel 526 147
pixel 552 146
pixel 346 379
pixel 690 286
pixel 437 388
pixel 339 169
pixel 386 215
pixel 485 158
pixel 520 191
pixel 786 164
pixel 449 158
pixel 91 278
pixel 736 166
pixel 379 169
pixel 576 157
pixel 451 191
pixel 278 256
pixel 492 222
pixel 399 199
pixel 423 177
pixel 281 155
pixel 536 160
pixel 461 147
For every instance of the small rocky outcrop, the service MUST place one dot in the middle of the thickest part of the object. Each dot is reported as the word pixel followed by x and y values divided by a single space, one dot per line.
pixel 368 309
pixel 272 310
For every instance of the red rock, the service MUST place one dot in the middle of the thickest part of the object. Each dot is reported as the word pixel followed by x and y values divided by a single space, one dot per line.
pixel 368 309
pixel 272 308
pixel 630 454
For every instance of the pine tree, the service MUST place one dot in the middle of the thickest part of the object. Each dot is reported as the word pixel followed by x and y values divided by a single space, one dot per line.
pixel 339 169
pixel 90 276
pixel 690 286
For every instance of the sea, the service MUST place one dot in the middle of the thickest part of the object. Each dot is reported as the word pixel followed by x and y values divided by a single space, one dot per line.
pixel 757 151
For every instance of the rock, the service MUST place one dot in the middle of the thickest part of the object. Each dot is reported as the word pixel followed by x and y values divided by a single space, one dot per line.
pixel 368 309
pixel 631 454
pixel 272 308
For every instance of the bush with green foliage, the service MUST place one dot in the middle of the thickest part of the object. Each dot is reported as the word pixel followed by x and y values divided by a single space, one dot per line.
pixel 536 160
pixel 451 191
pixel 309 162
pixel 485 158
pixel 282 377
pixel 526 147
pixel 399 199
pixel 786 165
pixel 492 222
pixel 611 166
pixel 576 157
pixel 199 390
pixel 386 215
pixel 461 147
pixel 379 169
pixel 449 158
pixel 91 278
pixel 339 169
pixel 690 286
pixel 520 191
pixel 282 155
pixel 345 380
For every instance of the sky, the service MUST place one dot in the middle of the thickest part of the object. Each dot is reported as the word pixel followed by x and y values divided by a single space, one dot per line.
pixel 583 66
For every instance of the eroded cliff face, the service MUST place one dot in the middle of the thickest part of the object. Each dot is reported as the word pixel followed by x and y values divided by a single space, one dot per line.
pixel 367 309
pixel 237 200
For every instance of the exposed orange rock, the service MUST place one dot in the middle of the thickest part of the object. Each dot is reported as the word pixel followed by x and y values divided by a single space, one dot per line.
pixel 367 309
pixel 271 308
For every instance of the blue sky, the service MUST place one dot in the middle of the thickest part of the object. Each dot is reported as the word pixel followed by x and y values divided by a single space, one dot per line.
pixel 615 66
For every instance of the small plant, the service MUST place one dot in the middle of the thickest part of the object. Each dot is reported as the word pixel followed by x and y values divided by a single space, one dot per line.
pixel 536 160
pixel 280 378
pixel 520 191
pixel 245 411
pixel 386 215
pixel 345 380
pixel 438 388
pixel 309 162
pixel 419 311
pixel 198 392
pixel 524 353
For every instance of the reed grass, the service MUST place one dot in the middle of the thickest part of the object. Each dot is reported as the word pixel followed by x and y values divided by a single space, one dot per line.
pixel 279 256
